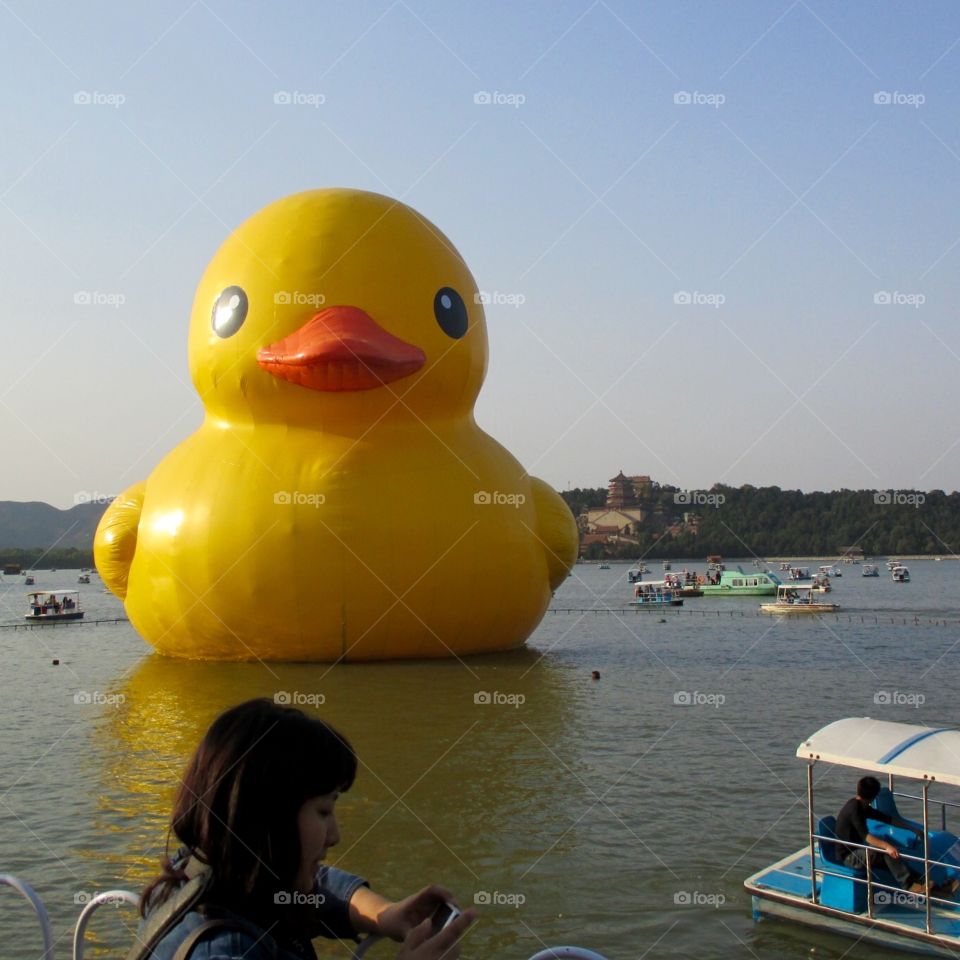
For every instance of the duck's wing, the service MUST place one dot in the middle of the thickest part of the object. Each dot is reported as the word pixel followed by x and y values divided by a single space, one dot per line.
pixel 116 538
pixel 557 531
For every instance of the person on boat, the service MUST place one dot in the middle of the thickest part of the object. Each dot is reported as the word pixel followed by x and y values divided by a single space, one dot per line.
pixel 254 813
pixel 852 826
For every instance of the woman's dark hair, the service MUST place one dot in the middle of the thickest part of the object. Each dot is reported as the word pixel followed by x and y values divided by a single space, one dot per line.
pixel 237 805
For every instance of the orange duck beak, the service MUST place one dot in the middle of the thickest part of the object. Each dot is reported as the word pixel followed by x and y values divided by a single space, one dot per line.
pixel 341 348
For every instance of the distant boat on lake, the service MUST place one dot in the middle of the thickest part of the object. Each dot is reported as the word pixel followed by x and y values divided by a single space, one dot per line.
pixel 735 583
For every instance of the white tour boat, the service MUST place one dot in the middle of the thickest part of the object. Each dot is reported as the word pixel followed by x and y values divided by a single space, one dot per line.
pixel 48 606
pixel 795 598
pixel 655 593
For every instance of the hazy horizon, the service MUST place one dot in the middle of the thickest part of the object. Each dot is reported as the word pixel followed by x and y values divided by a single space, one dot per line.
pixel 719 241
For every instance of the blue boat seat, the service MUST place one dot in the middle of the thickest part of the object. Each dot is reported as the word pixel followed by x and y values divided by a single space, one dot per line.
pixel 902 837
pixel 840 892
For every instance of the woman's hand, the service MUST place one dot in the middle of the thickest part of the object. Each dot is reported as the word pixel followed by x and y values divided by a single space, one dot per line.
pixel 398 919
pixel 419 944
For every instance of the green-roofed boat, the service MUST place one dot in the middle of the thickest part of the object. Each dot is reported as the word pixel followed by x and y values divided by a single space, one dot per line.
pixel 736 583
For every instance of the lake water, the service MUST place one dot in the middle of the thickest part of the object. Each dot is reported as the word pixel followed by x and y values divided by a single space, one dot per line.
pixel 599 813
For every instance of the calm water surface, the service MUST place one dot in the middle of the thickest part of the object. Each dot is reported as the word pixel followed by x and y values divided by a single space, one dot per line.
pixel 600 813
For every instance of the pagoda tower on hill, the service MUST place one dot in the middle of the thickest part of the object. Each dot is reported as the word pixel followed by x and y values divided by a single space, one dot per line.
pixel 621 492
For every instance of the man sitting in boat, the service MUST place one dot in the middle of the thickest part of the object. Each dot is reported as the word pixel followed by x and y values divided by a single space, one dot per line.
pixel 852 826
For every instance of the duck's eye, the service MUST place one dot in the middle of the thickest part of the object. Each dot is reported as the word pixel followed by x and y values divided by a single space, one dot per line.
pixel 229 312
pixel 451 312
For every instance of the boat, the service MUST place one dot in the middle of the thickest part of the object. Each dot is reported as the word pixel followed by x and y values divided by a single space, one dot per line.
pixel 666 565
pixel 11 569
pixel 52 605
pixel 799 573
pixel 635 574
pixel 820 584
pixel 813 888
pixel 829 570
pixel 891 563
pixel 900 574
pixel 29 580
pixel 85 577
pixel 685 584
pixel 654 593
pixel 784 567
pixel 796 598
pixel 870 570
pixel 736 583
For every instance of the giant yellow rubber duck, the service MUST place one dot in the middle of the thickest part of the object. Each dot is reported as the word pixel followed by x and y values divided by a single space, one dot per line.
pixel 339 501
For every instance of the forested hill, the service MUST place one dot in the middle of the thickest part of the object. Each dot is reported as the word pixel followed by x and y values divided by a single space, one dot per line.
pixel 36 533
pixel 768 521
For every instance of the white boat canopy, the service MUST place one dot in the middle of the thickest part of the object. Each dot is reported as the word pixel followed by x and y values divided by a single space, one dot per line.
pixel 882 746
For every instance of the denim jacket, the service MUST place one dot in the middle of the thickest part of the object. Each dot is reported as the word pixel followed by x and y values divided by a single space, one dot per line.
pixel 332 915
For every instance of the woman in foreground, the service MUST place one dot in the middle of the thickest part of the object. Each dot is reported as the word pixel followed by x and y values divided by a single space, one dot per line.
pixel 255 817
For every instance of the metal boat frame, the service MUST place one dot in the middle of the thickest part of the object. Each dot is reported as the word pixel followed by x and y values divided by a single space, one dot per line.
pixel 925 755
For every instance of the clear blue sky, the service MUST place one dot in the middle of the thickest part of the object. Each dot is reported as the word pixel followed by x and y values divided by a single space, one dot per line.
pixel 782 188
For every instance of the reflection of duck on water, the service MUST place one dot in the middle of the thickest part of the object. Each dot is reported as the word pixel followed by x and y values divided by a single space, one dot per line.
pixel 439 771
pixel 339 501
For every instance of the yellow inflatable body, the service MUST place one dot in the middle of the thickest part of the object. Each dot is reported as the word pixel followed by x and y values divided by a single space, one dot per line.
pixel 339 500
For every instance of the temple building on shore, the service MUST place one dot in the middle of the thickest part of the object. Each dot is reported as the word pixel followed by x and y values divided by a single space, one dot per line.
pixel 626 511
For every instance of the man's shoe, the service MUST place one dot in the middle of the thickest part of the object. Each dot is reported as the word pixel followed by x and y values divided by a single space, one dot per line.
pixel 917 886
pixel 947 889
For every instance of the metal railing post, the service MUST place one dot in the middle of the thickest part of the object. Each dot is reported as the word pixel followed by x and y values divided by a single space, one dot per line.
pixel 926 855
pixel 813 849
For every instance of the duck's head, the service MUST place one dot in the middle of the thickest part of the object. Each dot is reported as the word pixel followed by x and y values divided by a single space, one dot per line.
pixel 337 309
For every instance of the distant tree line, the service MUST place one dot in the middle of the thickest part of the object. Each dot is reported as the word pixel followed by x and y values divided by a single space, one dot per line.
pixel 69 558
pixel 767 521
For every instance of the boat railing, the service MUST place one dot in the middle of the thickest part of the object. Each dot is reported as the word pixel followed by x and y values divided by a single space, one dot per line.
pixel 942 803
pixel 872 884
pixel 95 902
